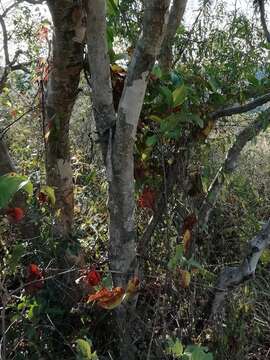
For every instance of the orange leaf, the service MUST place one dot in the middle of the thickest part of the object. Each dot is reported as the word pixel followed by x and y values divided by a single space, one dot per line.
pixel 185 278
pixel 206 131
pixel 108 299
pixel 132 287
pixel 186 240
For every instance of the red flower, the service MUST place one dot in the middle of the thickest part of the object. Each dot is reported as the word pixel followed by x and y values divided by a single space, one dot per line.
pixel 34 274
pixel 147 199
pixel 93 278
pixel 15 214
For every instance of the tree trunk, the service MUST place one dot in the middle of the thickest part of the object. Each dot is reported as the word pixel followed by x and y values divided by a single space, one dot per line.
pixel 178 8
pixel 6 164
pixel 64 77
pixel 117 136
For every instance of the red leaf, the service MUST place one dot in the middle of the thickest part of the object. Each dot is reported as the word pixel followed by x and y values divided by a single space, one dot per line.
pixel 42 198
pixel 15 214
pixel 34 274
pixel 189 222
pixel 93 278
pixel 147 199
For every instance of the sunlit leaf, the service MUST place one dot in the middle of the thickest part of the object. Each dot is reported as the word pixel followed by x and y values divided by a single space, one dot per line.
pixel 10 184
pixel 49 191
pixel 186 240
pixel 179 95
pixel 174 348
pixel 185 278
pixel 108 299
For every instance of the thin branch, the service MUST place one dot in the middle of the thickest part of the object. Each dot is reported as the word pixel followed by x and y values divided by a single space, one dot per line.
pixel 185 43
pixel 5 40
pixel 16 3
pixel 5 130
pixel 240 109
pixel 263 19
pixel 230 163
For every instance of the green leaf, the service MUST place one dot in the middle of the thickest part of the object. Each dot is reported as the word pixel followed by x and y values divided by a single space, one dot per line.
pixel 179 95
pixel 10 184
pixel 176 78
pixel 178 259
pixel 15 255
pixel 151 140
pixel 84 350
pixel 157 71
pixel 214 84
pixel 175 348
pixel 198 352
pixel 49 191
pixel 265 257
pixel 154 118
pixel 112 6
pixel 167 95
pixel 197 120
pixel 171 126
pixel 194 264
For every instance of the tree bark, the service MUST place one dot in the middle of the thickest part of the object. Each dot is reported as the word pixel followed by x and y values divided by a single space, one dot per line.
pixel 64 77
pixel 231 277
pixel 177 10
pixel 6 164
pixel 117 135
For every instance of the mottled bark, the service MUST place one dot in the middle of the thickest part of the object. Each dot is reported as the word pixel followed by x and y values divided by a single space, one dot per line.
pixel 117 135
pixel 176 15
pixel 121 202
pixel 120 134
pixel 66 66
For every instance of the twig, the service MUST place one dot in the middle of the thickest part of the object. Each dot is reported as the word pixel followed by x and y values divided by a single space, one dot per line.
pixel 5 130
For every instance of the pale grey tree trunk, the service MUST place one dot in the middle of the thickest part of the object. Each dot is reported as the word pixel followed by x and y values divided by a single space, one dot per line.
pixel 117 132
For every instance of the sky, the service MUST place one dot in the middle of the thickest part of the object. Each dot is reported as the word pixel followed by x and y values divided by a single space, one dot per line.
pixel 189 17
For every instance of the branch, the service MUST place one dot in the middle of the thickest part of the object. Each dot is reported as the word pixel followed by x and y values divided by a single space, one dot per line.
pixel 176 14
pixel 173 176
pixel 230 163
pixel 100 69
pixel 5 40
pixel 240 109
pixel 10 7
pixel 147 49
pixel 231 277
pixel 5 130
pixel 260 3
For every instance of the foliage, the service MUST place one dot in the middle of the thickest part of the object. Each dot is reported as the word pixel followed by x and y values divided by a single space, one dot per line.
pixel 10 184
pixel 222 61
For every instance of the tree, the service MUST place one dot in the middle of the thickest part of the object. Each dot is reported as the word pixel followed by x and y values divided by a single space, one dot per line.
pixel 170 99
